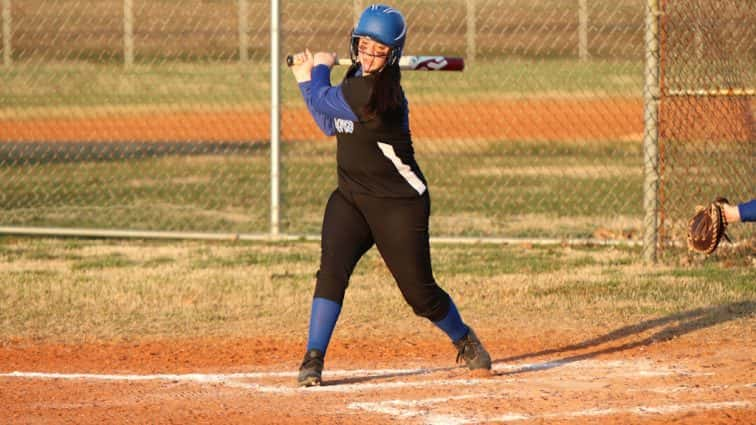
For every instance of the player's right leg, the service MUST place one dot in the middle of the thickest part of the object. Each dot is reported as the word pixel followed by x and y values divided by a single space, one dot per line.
pixel 345 238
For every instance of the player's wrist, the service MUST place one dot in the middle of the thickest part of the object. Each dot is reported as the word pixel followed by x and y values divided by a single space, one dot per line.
pixel 302 75
pixel 731 213
pixel 321 68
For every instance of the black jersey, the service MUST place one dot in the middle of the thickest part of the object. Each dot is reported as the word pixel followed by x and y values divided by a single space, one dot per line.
pixel 375 154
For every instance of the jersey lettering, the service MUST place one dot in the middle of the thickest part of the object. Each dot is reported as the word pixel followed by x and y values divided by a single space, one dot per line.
pixel 344 126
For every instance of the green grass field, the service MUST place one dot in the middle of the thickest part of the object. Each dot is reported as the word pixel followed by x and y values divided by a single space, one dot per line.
pixel 508 188
pixel 79 289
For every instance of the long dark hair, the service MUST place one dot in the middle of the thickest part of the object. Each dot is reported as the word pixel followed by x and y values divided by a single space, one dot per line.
pixel 387 91
pixel 387 96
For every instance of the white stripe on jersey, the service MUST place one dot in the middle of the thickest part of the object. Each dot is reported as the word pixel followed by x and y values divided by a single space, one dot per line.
pixel 404 169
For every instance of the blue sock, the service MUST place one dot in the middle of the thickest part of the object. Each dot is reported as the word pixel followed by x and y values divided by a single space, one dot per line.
pixel 452 324
pixel 323 317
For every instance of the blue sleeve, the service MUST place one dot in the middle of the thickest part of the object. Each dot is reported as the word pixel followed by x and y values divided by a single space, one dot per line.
pixel 326 99
pixel 322 120
pixel 747 210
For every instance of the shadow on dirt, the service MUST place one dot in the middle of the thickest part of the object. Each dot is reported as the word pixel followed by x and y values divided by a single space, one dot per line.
pixel 380 377
pixel 671 326
pixel 667 327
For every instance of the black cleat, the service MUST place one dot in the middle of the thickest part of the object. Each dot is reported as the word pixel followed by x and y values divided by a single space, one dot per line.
pixel 311 369
pixel 471 350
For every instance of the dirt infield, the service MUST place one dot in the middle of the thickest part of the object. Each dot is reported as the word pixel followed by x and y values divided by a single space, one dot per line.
pixel 524 119
pixel 562 119
pixel 629 375
pixel 709 119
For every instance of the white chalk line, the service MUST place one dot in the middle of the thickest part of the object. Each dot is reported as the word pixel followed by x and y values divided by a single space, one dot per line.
pixel 622 366
pixel 213 377
pixel 649 370
pixel 408 409
pixel 236 380
pixel 369 387
pixel 424 408
pixel 232 380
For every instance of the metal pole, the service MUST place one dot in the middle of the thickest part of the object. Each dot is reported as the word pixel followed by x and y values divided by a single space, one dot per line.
pixel 651 96
pixel 583 29
pixel 243 31
pixel 471 30
pixel 275 119
pixel 128 33
pixel 7 52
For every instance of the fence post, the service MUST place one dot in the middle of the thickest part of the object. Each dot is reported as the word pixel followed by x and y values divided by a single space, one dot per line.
pixel 651 96
pixel 583 30
pixel 471 30
pixel 128 33
pixel 7 52
pixel 243 31
pixel 275 118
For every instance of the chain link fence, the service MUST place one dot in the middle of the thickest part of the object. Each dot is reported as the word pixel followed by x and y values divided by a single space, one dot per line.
pixel 707 105
pixel 155 116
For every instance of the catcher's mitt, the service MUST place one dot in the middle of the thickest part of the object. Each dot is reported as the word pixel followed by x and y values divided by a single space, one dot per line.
pixel 707 227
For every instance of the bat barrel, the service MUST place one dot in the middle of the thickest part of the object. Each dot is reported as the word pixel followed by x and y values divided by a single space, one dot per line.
pixel 455 64
pixel 432 63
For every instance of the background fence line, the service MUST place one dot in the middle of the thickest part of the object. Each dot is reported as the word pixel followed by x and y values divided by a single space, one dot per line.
pixel 243 13
pixel 7 25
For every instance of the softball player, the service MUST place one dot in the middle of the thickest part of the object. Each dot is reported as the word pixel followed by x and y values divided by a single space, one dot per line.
pixel 382 196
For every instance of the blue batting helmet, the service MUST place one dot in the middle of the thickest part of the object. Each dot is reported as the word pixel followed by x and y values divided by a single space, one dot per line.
pixel 383 24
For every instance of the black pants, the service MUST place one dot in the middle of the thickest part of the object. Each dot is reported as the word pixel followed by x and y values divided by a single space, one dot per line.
pixel 399 228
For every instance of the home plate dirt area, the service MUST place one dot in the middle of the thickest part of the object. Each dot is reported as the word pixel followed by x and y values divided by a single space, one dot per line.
pixel 705 377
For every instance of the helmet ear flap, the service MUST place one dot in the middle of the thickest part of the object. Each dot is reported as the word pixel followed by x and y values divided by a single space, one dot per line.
pixel 394 56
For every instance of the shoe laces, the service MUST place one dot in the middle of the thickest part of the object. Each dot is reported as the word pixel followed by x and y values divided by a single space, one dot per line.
pixel 468 350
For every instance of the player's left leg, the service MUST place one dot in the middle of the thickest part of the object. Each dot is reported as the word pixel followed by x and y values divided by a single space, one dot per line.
pixel 400 231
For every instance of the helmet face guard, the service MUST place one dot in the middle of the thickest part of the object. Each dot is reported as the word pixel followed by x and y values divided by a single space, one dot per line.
pixel 383 24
